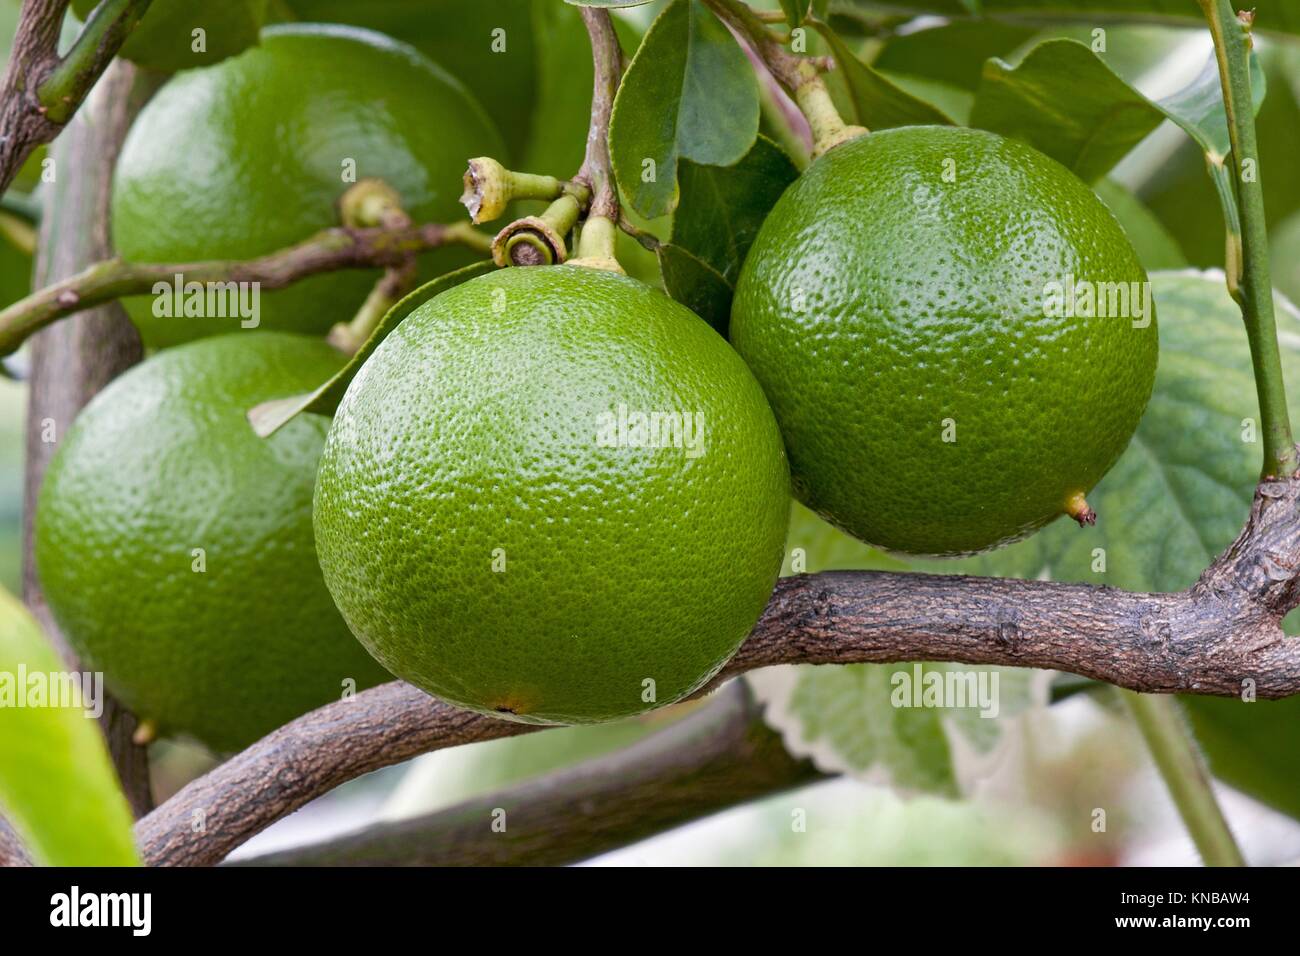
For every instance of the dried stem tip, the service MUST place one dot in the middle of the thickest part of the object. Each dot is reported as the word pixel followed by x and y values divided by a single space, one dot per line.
pixel 1077 508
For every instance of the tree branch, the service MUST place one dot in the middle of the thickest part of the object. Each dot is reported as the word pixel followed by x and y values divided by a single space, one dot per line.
pixel 720 756
pixel 41 91
pixel 1210 639
pixel 71 363
pixel 607 59
pixel 337 248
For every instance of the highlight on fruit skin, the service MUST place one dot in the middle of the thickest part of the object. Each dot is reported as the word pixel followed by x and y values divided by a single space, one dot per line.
pixel 553 495
pixel 914 307
pixel 175 550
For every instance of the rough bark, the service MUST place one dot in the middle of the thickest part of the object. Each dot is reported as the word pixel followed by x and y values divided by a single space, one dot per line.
pixel 1223 631
pixel 718 757
pixel 72 361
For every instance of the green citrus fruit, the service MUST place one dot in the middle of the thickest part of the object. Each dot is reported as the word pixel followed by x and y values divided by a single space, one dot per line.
pixel 515 513
pixel 908 309
pixel 249 156
pixel 175 546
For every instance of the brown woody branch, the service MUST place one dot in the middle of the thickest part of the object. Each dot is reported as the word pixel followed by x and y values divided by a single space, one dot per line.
pixel 328 250
pixel 72 362
pixel 41 90
pixel 720 756
pixel 1210 639
pixel 607 59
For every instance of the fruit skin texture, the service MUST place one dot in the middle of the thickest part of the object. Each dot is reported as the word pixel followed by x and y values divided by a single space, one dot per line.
pixel 476 426
pixel 923 301
pixel 160 463
pixel 246 157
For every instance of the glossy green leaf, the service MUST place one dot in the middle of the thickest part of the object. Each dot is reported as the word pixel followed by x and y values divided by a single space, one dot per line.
pixel 167 38
pixel 57 785
pixel 269 417
pixel 719 215
pixel 697 285
pixel 1279 15
pixel 953 52
pixel 722 208
pixel 1178 497
pixel 689 93
pixel 877 102
pixel 1066 101
pixel 849 719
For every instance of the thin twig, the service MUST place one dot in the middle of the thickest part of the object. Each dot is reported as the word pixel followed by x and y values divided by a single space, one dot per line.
pixel 41 91
pixel 1165 730
pixel 328 250
pixel 607 58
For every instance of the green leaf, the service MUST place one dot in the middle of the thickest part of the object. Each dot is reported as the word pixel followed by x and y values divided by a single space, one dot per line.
pixel 953 53
pixel 877 102
pixel 689 93
pixel 872 720
pixel 1253 747
pixel 1156 247
pixel 1280 16
pixel 796 11
pixel 719 215
pixel 268 417
pixel 1176 498
pixel 164 38
pixel 722 209
pixel 57 785
pixel 1066 101
pixel 697 285
pixel 1182 490
pixel 846 718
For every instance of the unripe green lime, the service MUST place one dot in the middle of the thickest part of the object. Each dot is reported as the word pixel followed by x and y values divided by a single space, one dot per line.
pixel 906 308
pixel 553 494
pixel 175 546
pixel 249 156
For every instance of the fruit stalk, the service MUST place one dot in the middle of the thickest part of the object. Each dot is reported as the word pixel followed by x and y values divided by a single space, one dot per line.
pixel 1254 290
pixel 1167 736
pixel 330 249
pixel 538 240
pixel 800 76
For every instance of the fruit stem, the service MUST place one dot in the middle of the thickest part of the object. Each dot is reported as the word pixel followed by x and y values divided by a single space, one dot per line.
pixel 799 75
pixel 146 732
pixel 490 188
pixel 537 240
pixel 1077 508
pixel 348 337
pixel 1164 728
pixel 596 245
pixel 1253 288
pixel 370 203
